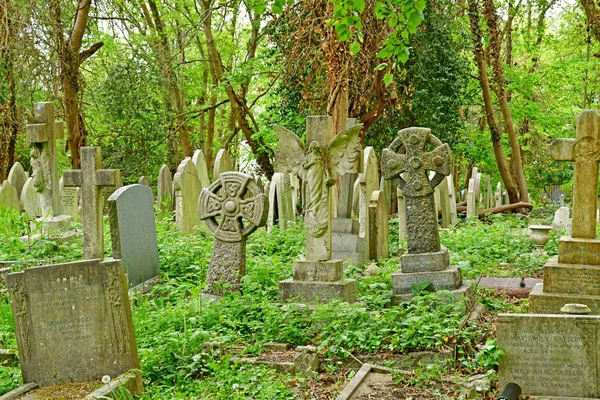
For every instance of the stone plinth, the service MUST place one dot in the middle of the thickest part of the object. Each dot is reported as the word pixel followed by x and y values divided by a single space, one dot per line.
pixel 346 242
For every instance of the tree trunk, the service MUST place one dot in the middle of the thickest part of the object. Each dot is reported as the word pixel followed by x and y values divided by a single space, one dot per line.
pixel 9 121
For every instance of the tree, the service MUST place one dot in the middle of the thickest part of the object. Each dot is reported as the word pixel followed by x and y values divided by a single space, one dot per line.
pixel 9 122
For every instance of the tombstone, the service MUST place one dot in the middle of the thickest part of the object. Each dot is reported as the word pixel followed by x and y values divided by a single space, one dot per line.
pixel 379 229
pixel 222 164
pixel 426 260
pixel 355 198
pixel 73 322
pixel 164 192
pixel 385 186
pixel 561 218
pixel 17 177
pixel 9 197
pixel 200 163
pixel 295 183
pixel 489 194
pixel 401 214
pixel 556 196
pixel 498 195
pixel 318 278
pixel 30 199
pixel 445 203
pixel 562 200
pixel 233 207
pixel 144 181
pixel 281 209
pixel 452 200
pixel 369 182
pixel 187 191
pixel 69 198
pixel 42 135
pixel 573 276
pixel 91 179
pixel 550 356
pixel 473 194
pixel 133 232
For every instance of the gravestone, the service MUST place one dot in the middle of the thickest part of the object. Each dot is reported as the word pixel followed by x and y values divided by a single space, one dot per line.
pixel 550 356
pixel 222 164
pixel 17 177
pixel 355 198
pixel 281 209
pixel 574 276
pixel 489 193
pixel 9 197
pixel 556 196
pixel 200 163
pixel 73 322
pixel 369 182
pixel 91 178
pixel 445 203
pixel 379 229
pixel 164 192
pixel 498 195
pixel 318 278
pixel 561 218
pixel 452 200
pixel 295 183
pixel 30 199
pixel 401 214
pixel 385 186
pixel 69 197
pixel 344 203
pixel 144 181
pixel 133 232
pixel 473 194
pixel 233 207
pixel 426 260
pixel 187 191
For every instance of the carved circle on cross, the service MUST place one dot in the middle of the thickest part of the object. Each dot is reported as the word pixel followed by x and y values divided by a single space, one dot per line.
pixel 233 206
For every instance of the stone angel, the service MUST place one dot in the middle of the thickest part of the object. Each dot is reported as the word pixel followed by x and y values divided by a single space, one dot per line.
pixel 319 167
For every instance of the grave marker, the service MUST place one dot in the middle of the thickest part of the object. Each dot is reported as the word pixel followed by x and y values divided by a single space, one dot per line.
pixel 17 177
pixel 280 201
pixel 187 191
pixel 369 182
pixel 379 229
pixel 30 199
pixel 200 163
pixel 9 197
pixel 164 192
pixel 222 164
pixel 69 197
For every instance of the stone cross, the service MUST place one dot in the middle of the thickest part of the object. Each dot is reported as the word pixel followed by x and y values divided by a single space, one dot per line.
pixel 421 216
pixel 233 207
pixel 584 150
pixel 43 135
pixel 91 178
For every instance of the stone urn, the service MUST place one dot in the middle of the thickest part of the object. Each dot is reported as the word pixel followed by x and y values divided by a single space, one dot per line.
pixel 540 236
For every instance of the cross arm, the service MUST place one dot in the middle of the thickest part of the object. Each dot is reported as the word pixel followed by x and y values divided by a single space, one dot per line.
pixel 439 160
pixel 40 133
pixel 108 177
pixel 392 164
pixel 73 178
pixel 562 149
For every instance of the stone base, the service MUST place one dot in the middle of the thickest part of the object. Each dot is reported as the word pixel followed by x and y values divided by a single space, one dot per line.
pixel 346 244
pixel 578 251
pixel 291 290
pixel 63 237
pixel 463 293
pixel 318 271
pixel 52 225
pixel 425 262
pixel 577 279
pixel 541 302
pixel 449 279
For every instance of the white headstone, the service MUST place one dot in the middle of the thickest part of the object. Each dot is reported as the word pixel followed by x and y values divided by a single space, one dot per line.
pixel 222 164
pixel 561 218
pixel 30 199
pixel 200 163
pixel 69 197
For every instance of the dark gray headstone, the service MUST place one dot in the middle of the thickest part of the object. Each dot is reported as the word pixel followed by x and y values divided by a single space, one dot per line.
pixel 133 232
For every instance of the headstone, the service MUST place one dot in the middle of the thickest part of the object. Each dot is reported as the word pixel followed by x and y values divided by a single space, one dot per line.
pixel 17 177
pixel 318 278
pixel 144 181
pixel 69 197
pixel 133 232
pixel 9 197
pixel 73 322
pixel 200 163
pixel 550 356
pixel 489 193
pixel 91 178
pixel 233 207
pixel 344 204
pixel 222 164
pixel 401 214
pixel 473 194
pixel 295 183
pixel 385 186
pixel 30 199
pixel 452 200
pixel 445 203
pixel 164 192
pixel 426 260
pixel 498 195
pixel 369 182
pixel 556 196
pixel 355 198
pixel 574 276
pixel 42 135
pixel 561 218
pixel 187 192
pixel 281 209
pixel 379 229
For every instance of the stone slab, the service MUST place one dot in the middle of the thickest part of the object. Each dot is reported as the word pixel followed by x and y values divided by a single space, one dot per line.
pixel 318 271
pixel 578 251
pixel 347 242
pixel 359 385
pixel 449 279
pixel 507 283
pixel 345 225
pixel 571 278
pixel 463 293
pixel 541 302
pixel 550 355
pixel 351 257
pixel 317 292
pixel 424 262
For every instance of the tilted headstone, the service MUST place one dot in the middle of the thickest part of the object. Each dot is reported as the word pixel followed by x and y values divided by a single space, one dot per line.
pixel 144 181
pixel 379 229
pixel 200 162
pixel 133 232
pixel 9 197
pixel 561 218
pixel 42 135
pixel 280 201
pixel 69 197
pixel 164 192
pixel 426 260
pixel 30 199
pixel 233 207
pixel 73 322
pixel 573 276
pixel 369 182
pixel 318 277
pixel 187 191
pixel 222 164
pixel 17 177
pixel 91 179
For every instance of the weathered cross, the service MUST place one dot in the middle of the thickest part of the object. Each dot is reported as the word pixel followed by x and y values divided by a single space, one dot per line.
pixel 585 151
pixel 44 133
pixel 421 215
pixel 91 178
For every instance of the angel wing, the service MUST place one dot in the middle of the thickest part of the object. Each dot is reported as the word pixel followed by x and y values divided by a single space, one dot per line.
pixel 343 152
pixel 290 156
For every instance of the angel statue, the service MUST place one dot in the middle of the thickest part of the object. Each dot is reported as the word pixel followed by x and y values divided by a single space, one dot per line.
pixel 319 168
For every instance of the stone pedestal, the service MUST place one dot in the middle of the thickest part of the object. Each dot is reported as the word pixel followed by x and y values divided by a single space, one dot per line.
pixel 346 243
pixel 318 282
pixel 572 277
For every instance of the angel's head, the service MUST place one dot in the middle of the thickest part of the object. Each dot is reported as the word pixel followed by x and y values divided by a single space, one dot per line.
pixel 315 147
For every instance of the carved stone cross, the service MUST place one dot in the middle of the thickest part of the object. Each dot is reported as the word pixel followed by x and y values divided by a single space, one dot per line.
pixel 233 207
pixel 585 151
pixel 421 215
pixel 91 178
pixel 43 135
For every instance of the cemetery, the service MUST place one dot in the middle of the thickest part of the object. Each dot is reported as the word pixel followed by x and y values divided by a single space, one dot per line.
pixel 324 200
